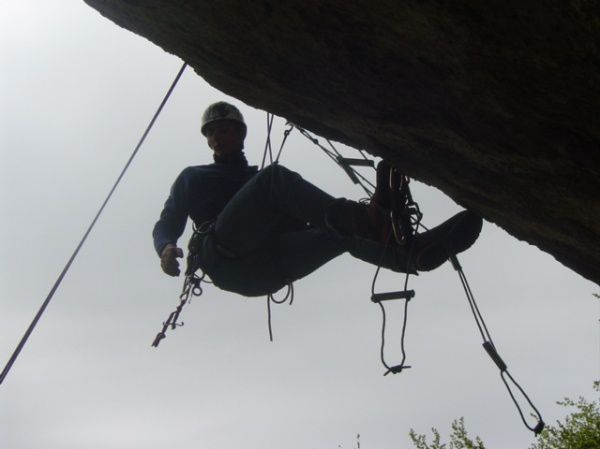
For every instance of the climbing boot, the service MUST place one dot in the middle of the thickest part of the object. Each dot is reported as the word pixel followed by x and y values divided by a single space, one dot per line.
pixel 379 207
pixel 432 248
pixel 370 221
pixel 381 197
pixel 392 211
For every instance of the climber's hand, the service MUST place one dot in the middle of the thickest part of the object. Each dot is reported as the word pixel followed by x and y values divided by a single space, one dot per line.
pixel 168 259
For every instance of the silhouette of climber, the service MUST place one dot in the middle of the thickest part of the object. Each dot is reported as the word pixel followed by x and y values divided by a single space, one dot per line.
pixel 267 228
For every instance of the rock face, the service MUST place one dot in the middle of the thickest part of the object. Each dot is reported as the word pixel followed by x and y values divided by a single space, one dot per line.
pixel 496 103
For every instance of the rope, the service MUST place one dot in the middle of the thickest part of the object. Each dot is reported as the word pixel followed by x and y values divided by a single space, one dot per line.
pixel 414 223
pixel 366 185
pixel 333 154
pixel 397 368
pixel 271 298
pixel 191 287
pixel 40 312
pixel 369 187
pixel 354 172
pixel 286 133
pixel 269 151
pixel 192 283
pixel 490 348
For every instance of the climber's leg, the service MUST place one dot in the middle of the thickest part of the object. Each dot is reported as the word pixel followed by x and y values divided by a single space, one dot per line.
pixel 300 253
pixel 257 210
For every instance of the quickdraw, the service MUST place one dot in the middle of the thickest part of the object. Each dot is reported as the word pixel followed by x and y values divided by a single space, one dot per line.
pixel 191 288
pixel 405 214
pixel 192 284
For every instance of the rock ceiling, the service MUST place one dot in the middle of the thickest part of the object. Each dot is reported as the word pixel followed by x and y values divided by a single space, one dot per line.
pixel 495 103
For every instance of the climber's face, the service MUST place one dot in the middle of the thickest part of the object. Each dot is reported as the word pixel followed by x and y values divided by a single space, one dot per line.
pixel 225 137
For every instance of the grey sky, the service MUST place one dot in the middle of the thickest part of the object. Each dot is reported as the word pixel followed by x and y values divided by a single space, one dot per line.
pixel 77 92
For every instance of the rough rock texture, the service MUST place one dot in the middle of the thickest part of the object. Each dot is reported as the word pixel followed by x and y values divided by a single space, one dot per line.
pixel 494 102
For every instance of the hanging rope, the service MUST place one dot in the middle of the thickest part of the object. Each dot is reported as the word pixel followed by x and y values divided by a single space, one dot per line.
pixel 490 348
pixel 408 295
pixel 353 173
pixel 268 146
pixel 405 217
pixel 357 178
pixel 269 152
pixel 335 156
pixel 409 217
pixel 268 149
pixel 286 133
pixel 40 312
pixel 271 299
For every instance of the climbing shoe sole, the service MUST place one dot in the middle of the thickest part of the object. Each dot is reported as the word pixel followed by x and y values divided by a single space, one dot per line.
pixel 432 248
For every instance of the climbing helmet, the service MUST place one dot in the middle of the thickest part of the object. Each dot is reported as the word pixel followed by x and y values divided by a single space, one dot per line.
pixel 221 111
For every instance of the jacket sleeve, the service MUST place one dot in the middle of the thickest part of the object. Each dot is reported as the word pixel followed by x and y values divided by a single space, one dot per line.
pixel 173 217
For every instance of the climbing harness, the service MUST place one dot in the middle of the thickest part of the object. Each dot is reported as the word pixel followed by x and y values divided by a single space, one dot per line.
pixel 192 282
pixel 58 281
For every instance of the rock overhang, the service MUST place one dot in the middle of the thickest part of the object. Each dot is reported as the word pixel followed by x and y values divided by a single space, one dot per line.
pixel 495 103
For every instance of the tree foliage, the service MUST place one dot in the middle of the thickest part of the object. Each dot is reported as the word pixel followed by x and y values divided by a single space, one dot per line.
pixel 459 438
pixel 580 430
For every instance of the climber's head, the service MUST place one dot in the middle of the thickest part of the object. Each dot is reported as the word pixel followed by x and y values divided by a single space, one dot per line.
pixel 224 128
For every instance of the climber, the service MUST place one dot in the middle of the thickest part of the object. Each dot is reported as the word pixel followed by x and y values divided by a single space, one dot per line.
pixel 264 229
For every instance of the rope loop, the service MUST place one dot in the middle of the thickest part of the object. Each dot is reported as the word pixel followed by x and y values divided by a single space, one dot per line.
pixel 396 368
pixel 539 426
pixel 289 295
pixel 490 348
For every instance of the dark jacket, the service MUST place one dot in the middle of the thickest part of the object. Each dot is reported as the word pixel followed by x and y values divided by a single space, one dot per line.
pixel 199 192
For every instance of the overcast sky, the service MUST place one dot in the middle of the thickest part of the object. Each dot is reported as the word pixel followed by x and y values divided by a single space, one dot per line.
pixel 77 92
